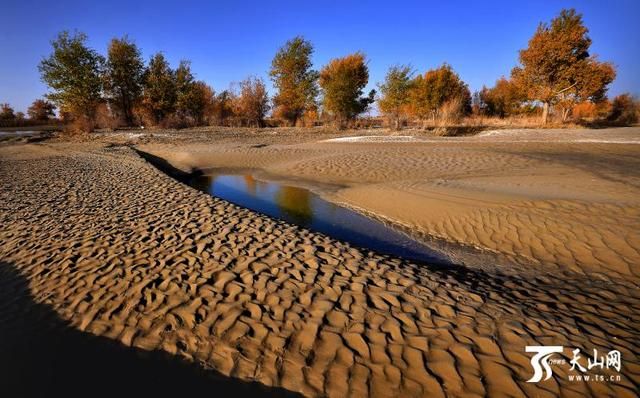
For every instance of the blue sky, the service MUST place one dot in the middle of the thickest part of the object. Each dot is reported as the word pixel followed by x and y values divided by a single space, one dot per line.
pixel 229 40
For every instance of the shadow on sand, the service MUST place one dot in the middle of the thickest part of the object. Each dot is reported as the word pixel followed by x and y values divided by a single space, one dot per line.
pixel 42 356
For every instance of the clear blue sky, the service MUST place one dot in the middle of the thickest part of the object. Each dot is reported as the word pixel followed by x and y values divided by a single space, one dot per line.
pixel 229 40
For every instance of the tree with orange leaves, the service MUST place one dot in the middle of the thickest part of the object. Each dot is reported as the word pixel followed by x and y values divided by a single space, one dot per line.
pixel 253 102
pixel 342 81
pixel 556 67
pixel 431 91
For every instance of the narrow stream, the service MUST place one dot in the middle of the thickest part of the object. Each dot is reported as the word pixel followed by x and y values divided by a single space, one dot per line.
pixel 302 207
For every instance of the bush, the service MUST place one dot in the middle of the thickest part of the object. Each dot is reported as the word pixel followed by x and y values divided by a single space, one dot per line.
pixel 451 112
pixel 624 110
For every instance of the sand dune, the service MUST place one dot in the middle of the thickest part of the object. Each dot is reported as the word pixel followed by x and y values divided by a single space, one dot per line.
pixel 120 250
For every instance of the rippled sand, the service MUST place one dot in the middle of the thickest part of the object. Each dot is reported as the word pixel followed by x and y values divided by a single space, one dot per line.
pixel 118 249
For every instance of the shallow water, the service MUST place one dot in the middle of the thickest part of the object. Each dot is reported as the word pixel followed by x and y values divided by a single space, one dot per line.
pixel 302 207
pixel 20 133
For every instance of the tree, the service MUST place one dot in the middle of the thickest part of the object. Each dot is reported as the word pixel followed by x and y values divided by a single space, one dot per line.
pixel 124 77
pixel 395 93
pixel 6 113
pixel 74 72
pixel 184 81
pixel 503 99
pixel 41 110
pixel 556 67
pixel 342 81
pixel 198 102
pixel 431 91
pixel 294 79
pixel 253 102
pixel 159 93
pixel 222 107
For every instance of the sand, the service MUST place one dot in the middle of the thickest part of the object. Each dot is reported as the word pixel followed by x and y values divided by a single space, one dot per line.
pixel 117 249
pixel 531 196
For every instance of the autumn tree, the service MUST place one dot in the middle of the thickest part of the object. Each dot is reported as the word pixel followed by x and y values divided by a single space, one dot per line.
pixel 197 102
pixel 395 93
pixel 294 79
pixel 123 77
pixel 159 89
pixel 503 99
pixel 185 89
pixel 74 73
pixel 342 81
pixel 6 113
pixel 431 91
pixel 556 67
pixel 221 110
pixel 41 110
pixel 253 101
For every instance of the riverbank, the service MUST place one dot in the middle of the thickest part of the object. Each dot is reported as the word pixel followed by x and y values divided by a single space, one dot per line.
pixel 550 198
pixel 115 248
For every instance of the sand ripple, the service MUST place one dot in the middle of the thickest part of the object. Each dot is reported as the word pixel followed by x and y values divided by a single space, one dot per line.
pixel 122 251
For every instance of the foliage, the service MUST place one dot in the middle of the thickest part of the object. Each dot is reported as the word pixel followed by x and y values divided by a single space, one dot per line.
pixel 429 92
pixel 196 102
pixel 294 79
pixel 41 110
pixel 6 112
pixel 221 110
pixel 342 82
pixel 624 110
pixel 159 95
pixel 556 67
pixel 503 99
pixel 74 73
pixel 395 93
pixel 253 102
pixel 123 77
pixel 184 82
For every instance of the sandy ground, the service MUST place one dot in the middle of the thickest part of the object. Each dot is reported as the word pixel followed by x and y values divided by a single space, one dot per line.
pixel 117 249
pixel 555 198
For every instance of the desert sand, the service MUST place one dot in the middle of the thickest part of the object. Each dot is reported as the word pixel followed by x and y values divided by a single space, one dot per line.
pixel 545 226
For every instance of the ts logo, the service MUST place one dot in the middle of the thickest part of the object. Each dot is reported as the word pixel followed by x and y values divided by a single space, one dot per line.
pixel 541 360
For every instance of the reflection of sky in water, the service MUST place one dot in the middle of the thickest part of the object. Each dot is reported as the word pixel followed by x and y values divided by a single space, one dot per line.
pixel 302 207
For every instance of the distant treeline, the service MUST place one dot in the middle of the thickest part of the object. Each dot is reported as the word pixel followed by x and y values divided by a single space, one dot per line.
pixel 556 77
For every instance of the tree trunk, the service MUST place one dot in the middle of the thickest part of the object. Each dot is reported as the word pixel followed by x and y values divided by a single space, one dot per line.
pixel 397 123
pixel 545 112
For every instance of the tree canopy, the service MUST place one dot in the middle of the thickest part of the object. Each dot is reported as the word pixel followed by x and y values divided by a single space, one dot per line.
pixel 296 82
pixel 41 110
pixel 343 81
pixel 253 102
pixel 394 92
pixel 556 66
pixel 123 77
pixel 159 97
pixel 503 99
pixel 429 92
pixel 6 112
pixel 74 73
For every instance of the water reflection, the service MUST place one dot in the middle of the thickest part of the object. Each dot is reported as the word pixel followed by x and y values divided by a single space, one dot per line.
pixel 302 207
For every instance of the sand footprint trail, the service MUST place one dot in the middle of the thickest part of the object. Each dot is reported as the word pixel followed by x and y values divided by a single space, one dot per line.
pixel 120 250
